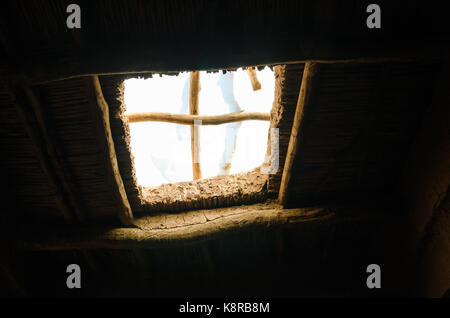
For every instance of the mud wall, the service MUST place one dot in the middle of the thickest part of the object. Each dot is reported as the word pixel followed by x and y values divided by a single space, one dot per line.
pixel 426 197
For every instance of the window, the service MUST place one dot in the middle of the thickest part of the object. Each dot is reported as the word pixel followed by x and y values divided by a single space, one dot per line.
pixel 162 150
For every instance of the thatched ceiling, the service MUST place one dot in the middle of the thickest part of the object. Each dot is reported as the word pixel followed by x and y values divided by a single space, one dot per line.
pixel 127 36
pixel 359 129
pixel 356 135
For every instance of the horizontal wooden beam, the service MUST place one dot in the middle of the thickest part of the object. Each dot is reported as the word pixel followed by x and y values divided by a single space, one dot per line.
pixel 167 230
pixel 126 59
pixel 184 119
pixel 43 74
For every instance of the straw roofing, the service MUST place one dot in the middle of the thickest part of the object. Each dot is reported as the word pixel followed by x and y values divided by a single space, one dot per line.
pixel 26 183
pixel 356 137
pixel 287 85
pixel 358 130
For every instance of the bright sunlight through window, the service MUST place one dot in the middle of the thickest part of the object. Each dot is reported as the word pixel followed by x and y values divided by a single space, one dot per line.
pixel 162 151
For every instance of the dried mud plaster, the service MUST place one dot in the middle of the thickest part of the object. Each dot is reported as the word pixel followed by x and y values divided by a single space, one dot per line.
pixel 220 191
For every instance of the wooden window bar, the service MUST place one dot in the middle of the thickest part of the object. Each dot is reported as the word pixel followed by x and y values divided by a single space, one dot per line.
pixel 193 117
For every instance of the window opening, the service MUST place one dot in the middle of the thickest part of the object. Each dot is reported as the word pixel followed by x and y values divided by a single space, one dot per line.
pixel 224 114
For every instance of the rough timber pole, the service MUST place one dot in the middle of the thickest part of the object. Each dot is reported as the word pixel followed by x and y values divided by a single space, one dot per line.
pixel 194 88
pixel 101 115
pixel 303 104
pixel 256 85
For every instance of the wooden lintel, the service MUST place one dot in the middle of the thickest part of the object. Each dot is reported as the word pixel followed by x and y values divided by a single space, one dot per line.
pixel 183 119
pixel 303 104
pixel 168 230
pixel 104 137
pixel 89 62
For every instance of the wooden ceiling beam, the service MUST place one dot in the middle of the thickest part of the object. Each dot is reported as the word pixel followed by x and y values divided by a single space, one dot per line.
pixel 99 61
pixel 100 113
pixel 304 103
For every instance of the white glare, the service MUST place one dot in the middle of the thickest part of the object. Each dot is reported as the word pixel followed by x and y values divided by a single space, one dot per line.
pixel 162 151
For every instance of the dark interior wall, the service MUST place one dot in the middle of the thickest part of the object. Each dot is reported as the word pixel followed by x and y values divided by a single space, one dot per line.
pixel 5 284
pixel 9 284
pixel 327 258
pixel 426 195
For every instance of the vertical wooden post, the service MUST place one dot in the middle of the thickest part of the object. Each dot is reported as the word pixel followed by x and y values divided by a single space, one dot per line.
pixel 194 89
